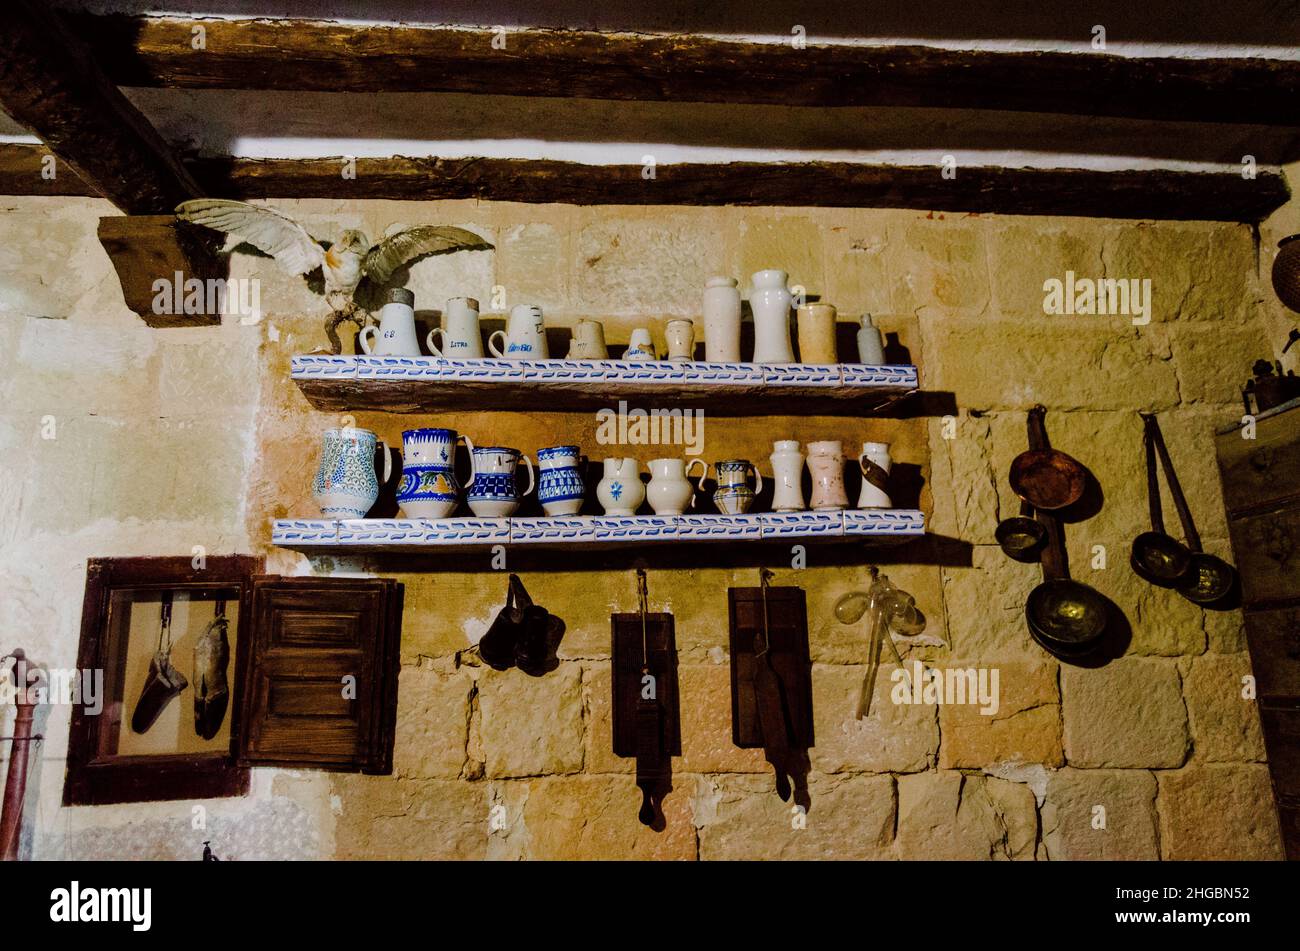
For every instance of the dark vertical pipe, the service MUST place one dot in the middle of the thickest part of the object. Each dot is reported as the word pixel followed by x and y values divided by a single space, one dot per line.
pixel 11 817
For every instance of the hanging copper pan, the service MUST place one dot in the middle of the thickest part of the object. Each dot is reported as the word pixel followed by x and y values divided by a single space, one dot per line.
pixel 1046 478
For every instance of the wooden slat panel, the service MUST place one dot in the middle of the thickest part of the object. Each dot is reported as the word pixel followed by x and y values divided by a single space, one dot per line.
pixel 1274 639
pixel 1265 469
pixel 304 55
pixel 1267 547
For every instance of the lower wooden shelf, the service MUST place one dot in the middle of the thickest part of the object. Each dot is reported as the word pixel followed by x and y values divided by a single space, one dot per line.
pixel 408 535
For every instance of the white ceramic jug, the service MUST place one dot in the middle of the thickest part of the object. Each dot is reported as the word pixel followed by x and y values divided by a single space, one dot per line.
pixel 524 337
pixel 722 320
pixel 395 335
pixel 621 490
pixel 669 491
pixel 461 339
pixel 826 462
pixel 875 465
pixel 769 299
pixel 787 476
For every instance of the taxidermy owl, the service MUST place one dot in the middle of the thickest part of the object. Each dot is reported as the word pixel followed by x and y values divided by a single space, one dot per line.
pixel 352 270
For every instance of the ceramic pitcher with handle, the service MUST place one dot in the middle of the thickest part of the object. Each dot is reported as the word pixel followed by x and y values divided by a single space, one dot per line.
pixel 669 490
pixel 345 486
pixel 621 490
pixel 493 492
pixel 524 337
pixel 460 335
pixel 560 488
pixel 429 488
pixel 733 496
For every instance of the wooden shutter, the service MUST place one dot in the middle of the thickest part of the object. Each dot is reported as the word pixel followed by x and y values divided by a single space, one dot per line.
pixel 788 629
pixel 310 635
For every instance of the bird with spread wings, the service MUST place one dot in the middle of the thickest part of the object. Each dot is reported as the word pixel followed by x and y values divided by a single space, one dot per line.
pixel 347 266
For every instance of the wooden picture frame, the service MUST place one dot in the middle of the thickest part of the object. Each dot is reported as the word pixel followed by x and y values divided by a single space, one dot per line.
pixel 96 773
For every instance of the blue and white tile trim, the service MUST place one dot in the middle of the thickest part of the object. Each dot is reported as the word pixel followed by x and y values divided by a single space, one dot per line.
pixel 602 529
pixel 636 373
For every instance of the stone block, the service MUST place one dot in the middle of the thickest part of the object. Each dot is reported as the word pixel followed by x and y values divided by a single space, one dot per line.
pixel 1127 714
pixel 432 723
pixel 1025 729
pixel 1101 814
pixel 531 726
pixel 1220 812
pixel 894 737
pixel 742 818
pixel 1225 726
pixel 566 818
pixel 948 815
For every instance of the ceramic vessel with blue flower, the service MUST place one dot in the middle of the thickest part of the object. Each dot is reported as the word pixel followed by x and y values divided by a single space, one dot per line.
pixel 429 488
pixel 493 491
pixel 621 491
pixel 560 488
pixel 345 486
pixel 733 496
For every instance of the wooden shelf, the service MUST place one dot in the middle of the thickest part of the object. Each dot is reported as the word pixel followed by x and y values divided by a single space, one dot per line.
pixel 429 536
pixel 425 384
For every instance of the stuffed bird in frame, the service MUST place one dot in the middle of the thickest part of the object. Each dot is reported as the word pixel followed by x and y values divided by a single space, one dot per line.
pixel 352 269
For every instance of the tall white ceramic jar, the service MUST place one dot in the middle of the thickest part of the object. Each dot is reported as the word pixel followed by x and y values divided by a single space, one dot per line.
pixel 769 299
pixel 787 476
pixel 875 465
pixel 722 320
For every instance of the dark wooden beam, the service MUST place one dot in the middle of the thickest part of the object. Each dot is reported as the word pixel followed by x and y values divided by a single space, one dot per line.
pixel 50 84
pixel 1215 196
pixel 1153 193
pixel 305 55
pixel 26 169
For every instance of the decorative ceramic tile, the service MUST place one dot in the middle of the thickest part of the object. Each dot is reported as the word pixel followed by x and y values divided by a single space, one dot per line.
pixel 424 531
pixel 634 528
pixel 801 374
pixel 291 532
pixel 322 367
pixel 723 374
pixel 859 374
pixel 884 522
pixel 572 371
pixel 552 529
pixel 801 524
pixel 643 372
pixel 719 527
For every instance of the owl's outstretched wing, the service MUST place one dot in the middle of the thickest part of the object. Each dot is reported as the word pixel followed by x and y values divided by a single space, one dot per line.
pixel 410 244
pixel 269 231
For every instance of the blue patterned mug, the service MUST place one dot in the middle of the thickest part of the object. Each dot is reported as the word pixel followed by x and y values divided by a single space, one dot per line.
pixel 492 489
pixel 429 488
pixel 560 488
pixel 345 485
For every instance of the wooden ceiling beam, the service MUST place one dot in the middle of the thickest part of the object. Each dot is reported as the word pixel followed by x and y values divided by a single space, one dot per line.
pixel 1153 193
pixel 51 85
pixel 334 57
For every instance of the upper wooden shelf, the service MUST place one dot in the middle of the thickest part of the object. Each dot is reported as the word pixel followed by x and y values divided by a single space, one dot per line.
pixel 425 384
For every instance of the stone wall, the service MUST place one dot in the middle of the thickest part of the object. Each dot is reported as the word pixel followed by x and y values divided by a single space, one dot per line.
pixel 171 439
